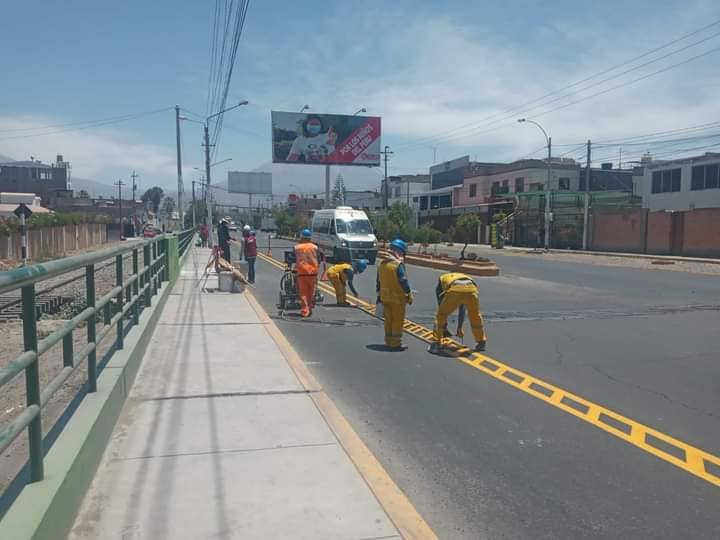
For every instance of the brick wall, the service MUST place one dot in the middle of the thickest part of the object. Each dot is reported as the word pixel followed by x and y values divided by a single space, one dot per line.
pixel 659 233
pixel 702 233
pixel 617 230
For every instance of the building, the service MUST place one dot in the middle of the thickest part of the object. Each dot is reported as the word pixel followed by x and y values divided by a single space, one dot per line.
pixel 300 205
pixel 491 182
pixel 364 200
pixel 608 179
pixel 35 177
pixel 402 189
pixel 10 201
pixel 682 184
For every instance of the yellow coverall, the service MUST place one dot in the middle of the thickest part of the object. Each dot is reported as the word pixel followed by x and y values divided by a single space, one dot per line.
pixel 456 290
pixel 337 274
pixel 395 295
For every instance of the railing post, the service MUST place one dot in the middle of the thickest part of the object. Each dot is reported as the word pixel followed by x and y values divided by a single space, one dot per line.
pixel 147 274
pixel 166 262
pixel 119 298
pixel 32 383
pixel 136 287
pixel 91 336
pixel 68 350
pixel 153 272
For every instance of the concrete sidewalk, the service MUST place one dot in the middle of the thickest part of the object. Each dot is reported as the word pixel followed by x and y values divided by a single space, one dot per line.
pixel 220 438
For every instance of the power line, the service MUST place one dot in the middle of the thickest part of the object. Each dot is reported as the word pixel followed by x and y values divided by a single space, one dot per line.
pixel 445 136
pixel 79 126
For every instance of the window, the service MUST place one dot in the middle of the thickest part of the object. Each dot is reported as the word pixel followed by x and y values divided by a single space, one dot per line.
pixel 505 186
pixel 666 181
pixel 564 184
pixel 355 226
pixel 657 182
pixel 537 186
pixel 519 185
pixel 473 190
pixel 705 177
pixel 495 189
pixel 397 191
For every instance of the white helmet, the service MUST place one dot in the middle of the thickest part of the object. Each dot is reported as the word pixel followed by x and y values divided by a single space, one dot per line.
pixel 246 228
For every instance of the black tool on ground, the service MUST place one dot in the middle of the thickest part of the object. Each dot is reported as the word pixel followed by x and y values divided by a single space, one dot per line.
pixel 289 296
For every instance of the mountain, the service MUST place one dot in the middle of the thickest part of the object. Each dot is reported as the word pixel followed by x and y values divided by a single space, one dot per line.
pixel 94 188
pixel 5 159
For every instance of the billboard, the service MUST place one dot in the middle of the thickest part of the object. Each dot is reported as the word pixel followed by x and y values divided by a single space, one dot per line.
pixel 450 173
pixel 325 139
pixel 252 183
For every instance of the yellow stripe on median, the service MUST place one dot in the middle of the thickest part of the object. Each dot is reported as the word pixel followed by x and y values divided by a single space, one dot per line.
pixel 685 456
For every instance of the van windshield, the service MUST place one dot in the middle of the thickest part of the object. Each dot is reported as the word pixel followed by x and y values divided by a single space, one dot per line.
pixel 356 226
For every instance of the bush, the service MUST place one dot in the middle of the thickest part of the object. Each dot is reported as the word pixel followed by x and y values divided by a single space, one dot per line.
pixel 472 256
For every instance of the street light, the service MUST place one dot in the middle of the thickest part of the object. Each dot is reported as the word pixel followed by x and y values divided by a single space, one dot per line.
pixel 363 110
pixel 305 108
pixel 548 215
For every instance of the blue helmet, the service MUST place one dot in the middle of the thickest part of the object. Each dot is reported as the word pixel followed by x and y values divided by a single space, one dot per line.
pixel 399 245
pixel 361 265
pixel 306 233
pixel 252 232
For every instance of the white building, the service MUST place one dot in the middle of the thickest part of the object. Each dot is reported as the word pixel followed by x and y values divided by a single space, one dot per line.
pixel 402 188
pixel 370 200
pixel 10 201
pixel 682 184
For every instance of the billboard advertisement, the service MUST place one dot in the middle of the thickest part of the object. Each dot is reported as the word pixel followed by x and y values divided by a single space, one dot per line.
pixel 325 139
pixel 449 173
pixel 252 183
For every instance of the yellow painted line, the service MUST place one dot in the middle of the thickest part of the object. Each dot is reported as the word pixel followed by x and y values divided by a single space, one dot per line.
pixel 691 459
pixel 397 506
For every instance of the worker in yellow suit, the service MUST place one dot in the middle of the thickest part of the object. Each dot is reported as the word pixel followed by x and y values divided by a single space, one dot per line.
pixel 341 276
pixel 394 293
pixel 455 290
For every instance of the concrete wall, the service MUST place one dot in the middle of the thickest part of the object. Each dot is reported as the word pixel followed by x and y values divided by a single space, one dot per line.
pixel 701 236
pixel 54 241
pixel 617 230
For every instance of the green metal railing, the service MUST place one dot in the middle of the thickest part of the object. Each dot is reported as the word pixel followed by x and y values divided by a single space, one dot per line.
pixel 131 294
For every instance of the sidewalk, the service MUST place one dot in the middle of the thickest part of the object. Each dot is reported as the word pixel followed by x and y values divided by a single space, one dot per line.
pixel 220 438
pixel 630 260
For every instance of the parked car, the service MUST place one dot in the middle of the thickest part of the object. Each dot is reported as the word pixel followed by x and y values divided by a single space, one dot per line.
pixel 149 231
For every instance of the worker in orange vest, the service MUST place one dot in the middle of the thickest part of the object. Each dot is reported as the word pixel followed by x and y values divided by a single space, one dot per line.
pixel 307 264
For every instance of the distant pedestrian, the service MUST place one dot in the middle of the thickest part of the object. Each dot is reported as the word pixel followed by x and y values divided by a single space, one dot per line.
pixel 249 251
pixel 394 293
pixel 204 235
pixel 224 239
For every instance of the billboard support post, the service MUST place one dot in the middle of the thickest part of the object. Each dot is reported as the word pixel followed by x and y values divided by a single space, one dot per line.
pixel 327 186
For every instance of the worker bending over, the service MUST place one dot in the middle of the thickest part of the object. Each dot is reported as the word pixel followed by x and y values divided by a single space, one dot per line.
pixel 341 275
pixel 394 293
pixel 455 290
pixel 307 263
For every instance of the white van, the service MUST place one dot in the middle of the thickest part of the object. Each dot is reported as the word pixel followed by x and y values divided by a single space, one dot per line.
pixel 344 234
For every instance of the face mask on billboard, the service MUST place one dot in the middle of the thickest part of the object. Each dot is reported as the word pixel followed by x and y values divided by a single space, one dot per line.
pixel 313 129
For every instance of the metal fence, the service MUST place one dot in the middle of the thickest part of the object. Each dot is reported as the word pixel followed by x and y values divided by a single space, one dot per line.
pixel 130 296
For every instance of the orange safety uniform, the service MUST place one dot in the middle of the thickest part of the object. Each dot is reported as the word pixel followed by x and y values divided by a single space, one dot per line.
pixel 306 267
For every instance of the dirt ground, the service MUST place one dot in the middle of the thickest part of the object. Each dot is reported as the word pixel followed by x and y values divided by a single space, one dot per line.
pixel 12 395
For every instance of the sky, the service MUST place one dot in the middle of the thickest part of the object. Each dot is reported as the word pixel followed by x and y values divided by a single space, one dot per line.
pixel 427 68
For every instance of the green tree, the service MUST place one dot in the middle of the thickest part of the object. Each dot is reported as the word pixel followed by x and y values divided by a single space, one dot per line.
pixel 83 194
pixel 168 206
pixel 152 198
pixel 399 217
pixel 466 228
pixel 339 192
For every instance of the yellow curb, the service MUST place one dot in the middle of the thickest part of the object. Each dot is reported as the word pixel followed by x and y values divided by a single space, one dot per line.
pixel 392 499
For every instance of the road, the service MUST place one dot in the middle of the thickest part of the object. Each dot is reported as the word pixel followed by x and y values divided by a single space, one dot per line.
pixel 480 458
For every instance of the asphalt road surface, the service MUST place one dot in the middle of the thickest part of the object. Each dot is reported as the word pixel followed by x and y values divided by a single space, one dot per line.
pixel 482 459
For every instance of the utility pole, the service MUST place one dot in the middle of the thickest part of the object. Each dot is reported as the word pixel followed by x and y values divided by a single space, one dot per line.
pixel 548 196
pixel 587 199
pixel 134 190
pixel 193 205
pixel 120 184
pixel 386 152
pixel 179 165
pixel 208 218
